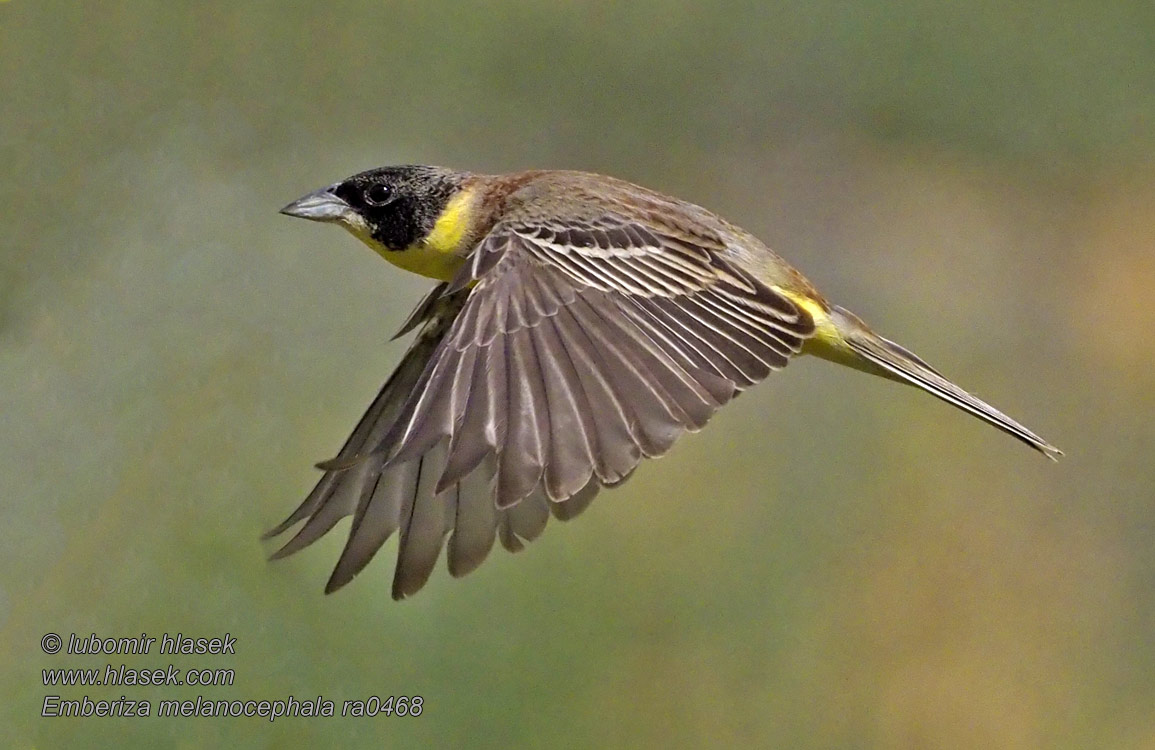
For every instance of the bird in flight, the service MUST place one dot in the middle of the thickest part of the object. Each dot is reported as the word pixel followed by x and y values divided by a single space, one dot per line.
pixel 580 323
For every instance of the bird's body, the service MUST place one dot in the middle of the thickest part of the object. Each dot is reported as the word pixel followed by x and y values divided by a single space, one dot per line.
pixel 580 324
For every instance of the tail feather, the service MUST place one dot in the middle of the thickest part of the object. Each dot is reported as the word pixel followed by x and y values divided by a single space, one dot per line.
pixel 895 362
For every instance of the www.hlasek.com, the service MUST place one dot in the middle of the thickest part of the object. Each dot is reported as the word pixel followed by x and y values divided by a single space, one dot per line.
pixel 118 675
pixel 122 674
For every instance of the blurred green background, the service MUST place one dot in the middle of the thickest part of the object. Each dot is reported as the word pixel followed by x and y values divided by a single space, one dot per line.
pixel 839 562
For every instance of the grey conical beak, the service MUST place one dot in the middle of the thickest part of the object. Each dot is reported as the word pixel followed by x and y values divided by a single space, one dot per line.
pixel 319 205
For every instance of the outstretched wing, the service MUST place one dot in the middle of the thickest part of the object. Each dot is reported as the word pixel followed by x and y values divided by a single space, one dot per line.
pixel 562 355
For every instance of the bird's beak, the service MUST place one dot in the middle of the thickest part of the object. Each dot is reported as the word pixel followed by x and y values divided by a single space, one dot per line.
pixel 320 205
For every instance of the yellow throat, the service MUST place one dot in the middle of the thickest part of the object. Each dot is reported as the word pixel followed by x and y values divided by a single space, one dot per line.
pixel 442 251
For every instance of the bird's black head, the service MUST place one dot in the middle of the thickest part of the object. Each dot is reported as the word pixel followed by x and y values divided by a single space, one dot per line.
pixel 391 207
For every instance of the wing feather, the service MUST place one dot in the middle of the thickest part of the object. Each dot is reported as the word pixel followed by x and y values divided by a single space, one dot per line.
pixel 375 521
pixel 525 520
pixel 572 447
pixel 427 516
pixel 607 418
pixel 521 460
pixel 475 524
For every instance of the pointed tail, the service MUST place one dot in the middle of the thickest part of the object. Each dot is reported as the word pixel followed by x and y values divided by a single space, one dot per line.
pixel 886 358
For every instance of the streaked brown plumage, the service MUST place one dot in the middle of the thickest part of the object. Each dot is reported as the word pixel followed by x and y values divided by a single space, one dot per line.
pixel 581 324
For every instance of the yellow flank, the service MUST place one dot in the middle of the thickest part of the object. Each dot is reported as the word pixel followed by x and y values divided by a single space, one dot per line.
pixel 440 254
pixel 827 341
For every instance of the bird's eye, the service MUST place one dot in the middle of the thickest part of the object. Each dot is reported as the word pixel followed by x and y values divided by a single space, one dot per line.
pixel 378 194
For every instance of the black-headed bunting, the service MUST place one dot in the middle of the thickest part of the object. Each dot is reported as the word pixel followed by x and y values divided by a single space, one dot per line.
pixel 580 324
